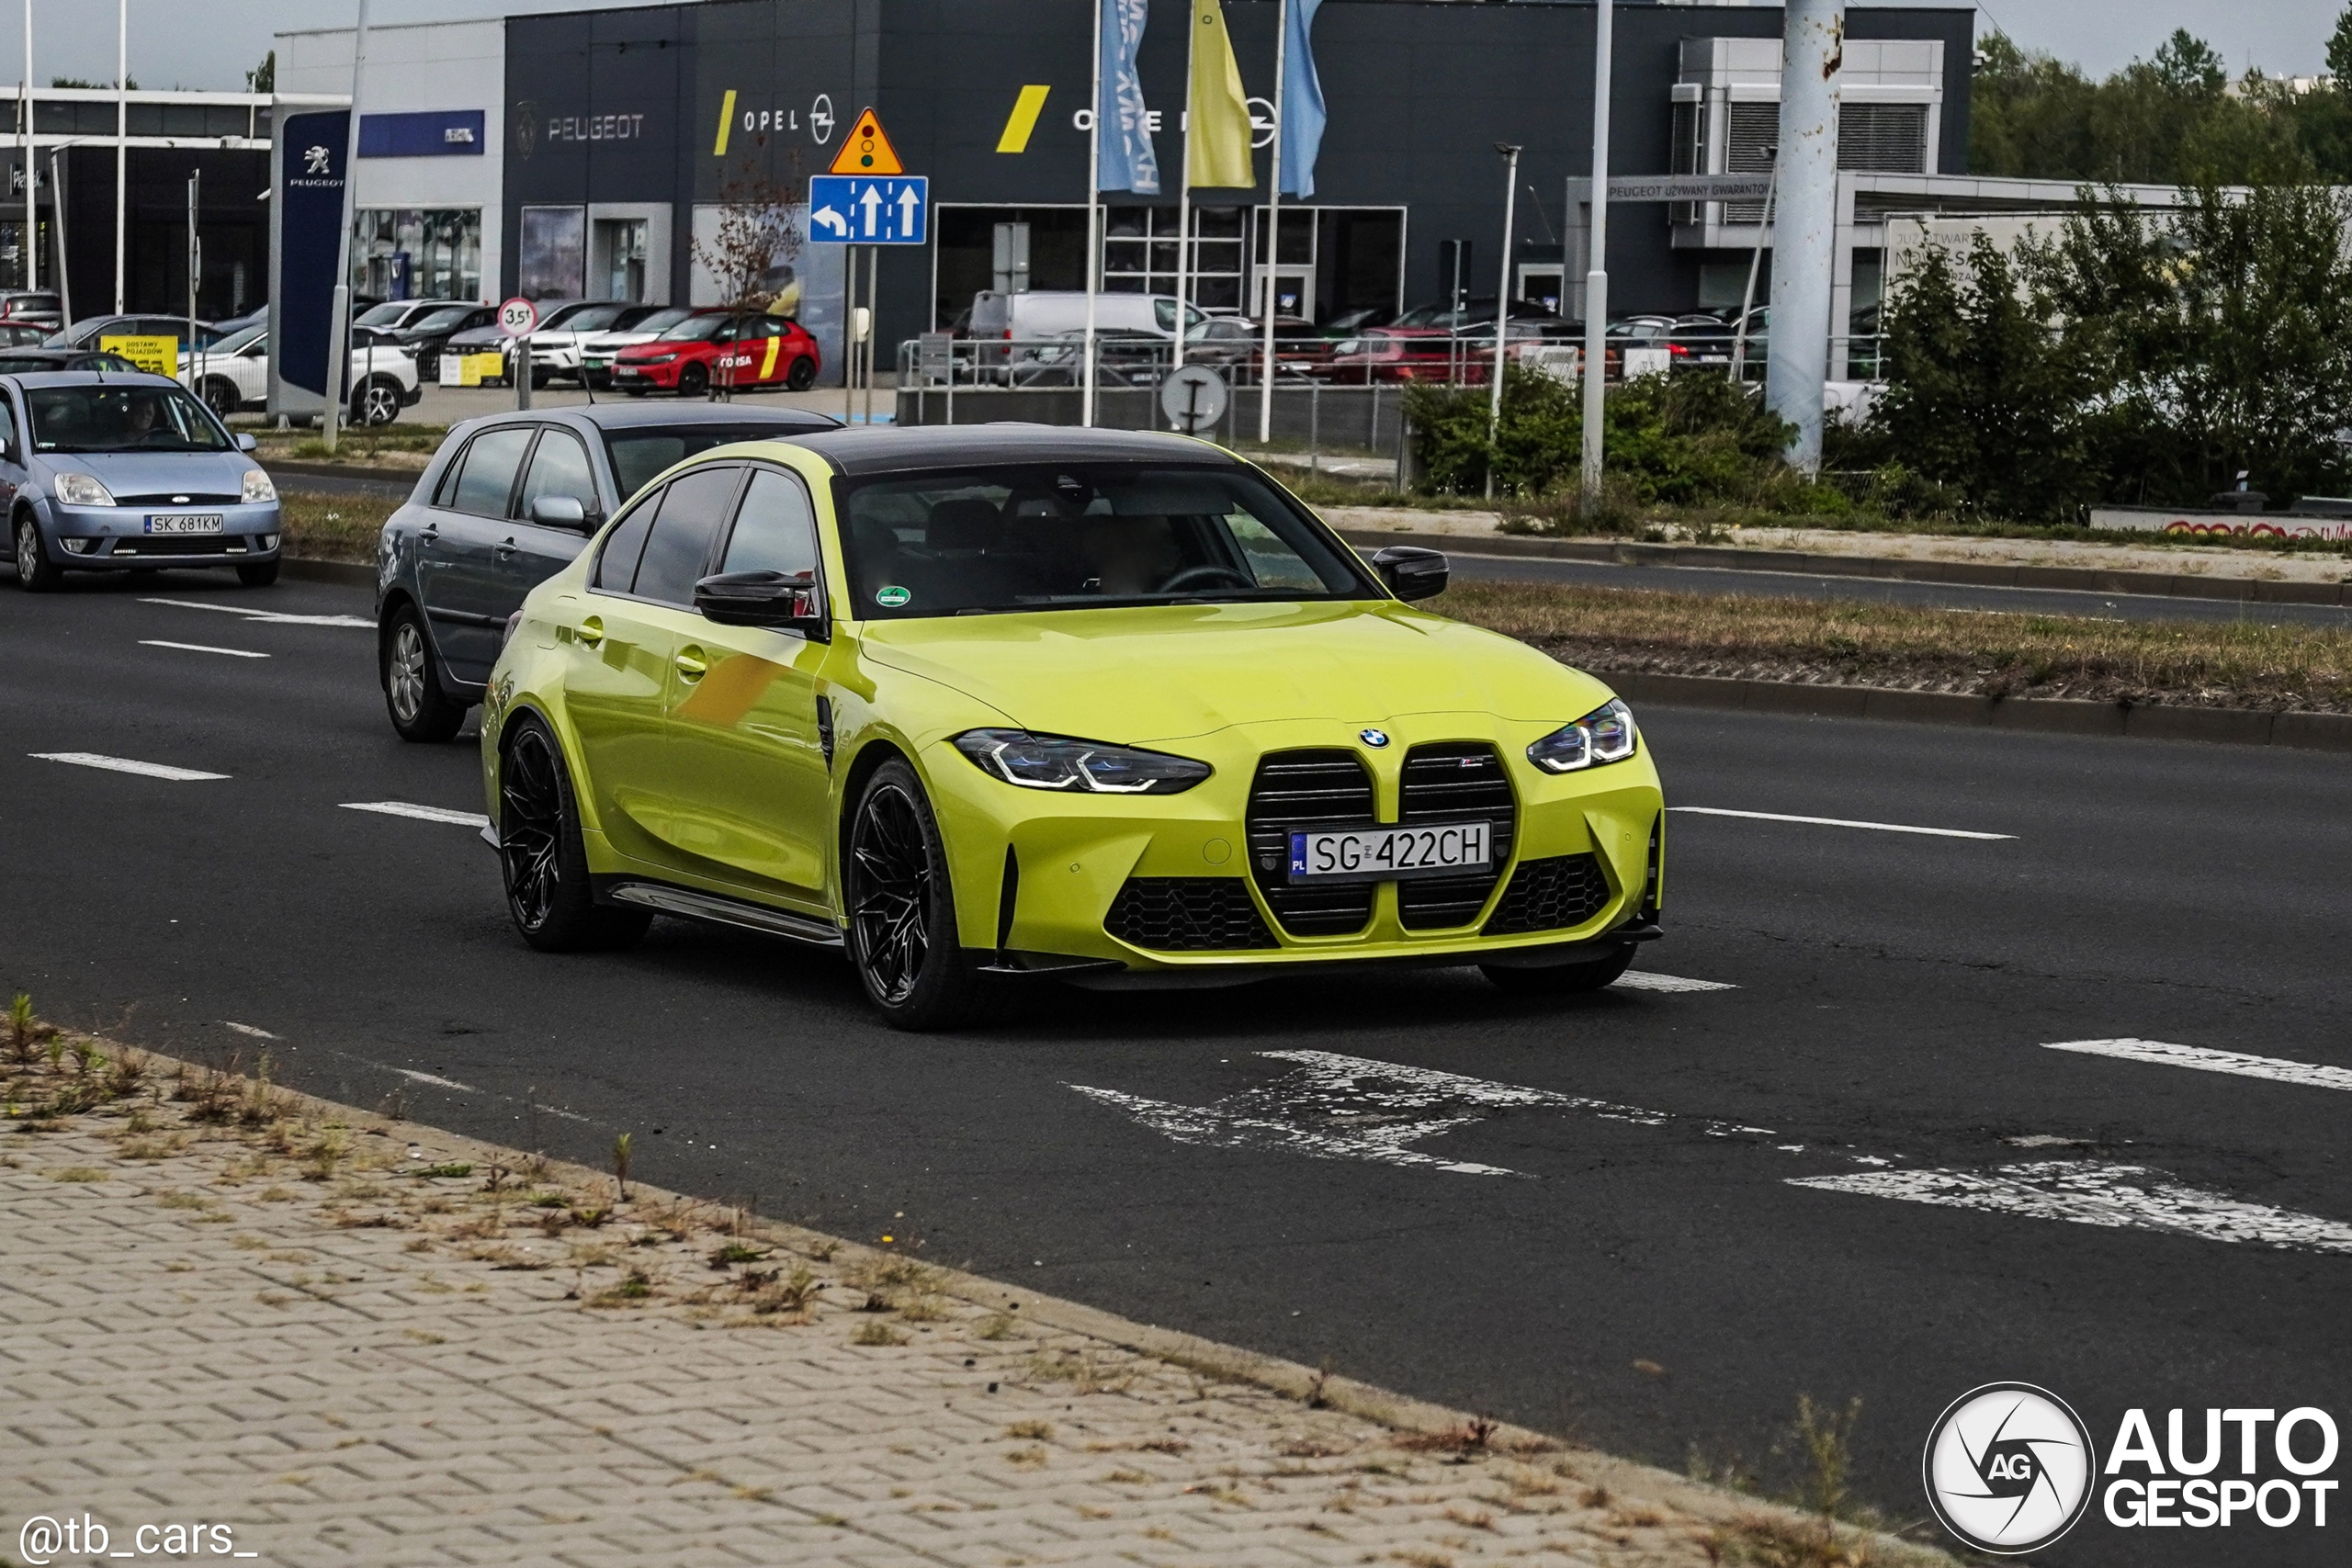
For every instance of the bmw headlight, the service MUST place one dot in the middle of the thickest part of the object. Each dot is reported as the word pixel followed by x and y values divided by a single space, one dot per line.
pixel 1090 767
pixel 81 490
pixel 1605 735
pixel 258 487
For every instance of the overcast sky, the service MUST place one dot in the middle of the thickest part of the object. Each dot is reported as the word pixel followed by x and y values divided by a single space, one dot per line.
pixel 212 43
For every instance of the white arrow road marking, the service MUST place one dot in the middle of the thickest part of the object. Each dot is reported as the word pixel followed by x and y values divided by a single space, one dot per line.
pixel 1335 1107
pixel 2276 1068
pixel 907 205
pixel 274 617
pixel 2115 1197
pixel 872 202
pixel 201 647
pixel 422 813
pixel 1644 980
pixel 126 765
pixel 1838 822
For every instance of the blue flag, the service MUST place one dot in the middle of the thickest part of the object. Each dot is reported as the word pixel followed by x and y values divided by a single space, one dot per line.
pixel 1125 158
pixel 1302 102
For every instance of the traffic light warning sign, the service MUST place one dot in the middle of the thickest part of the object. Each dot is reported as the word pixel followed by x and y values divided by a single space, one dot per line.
pixel 867 151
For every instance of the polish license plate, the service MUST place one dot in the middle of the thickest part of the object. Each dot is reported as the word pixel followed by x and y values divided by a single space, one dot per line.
pixel 184 522
pixel 626 370
pixel 1391 855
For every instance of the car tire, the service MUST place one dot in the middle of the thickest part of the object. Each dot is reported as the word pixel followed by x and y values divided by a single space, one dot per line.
pixel 1561 980
pixel 376 402
pixel 428 367
pixel 803 374
pixel 36 573
pixel 542 864
pixel 693 381
pixel 421 709
pixel 902 935
pixel 633 391
pixel 221 395
pixel 539 380
pixel 258 574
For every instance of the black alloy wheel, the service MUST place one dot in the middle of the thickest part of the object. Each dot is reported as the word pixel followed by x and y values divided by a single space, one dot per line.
pixel 902 934
pixel 36 573
pixel 221 395
pixel 376 402
pixel 421 709
pixel 803 374
pixel 540 857
pixel 1561 980
pixel 693 381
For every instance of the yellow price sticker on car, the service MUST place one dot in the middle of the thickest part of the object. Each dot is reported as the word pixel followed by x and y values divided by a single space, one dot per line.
pixel 159 355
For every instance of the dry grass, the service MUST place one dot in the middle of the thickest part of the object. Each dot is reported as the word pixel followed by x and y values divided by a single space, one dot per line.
pixel 334 527
pixel 2221 663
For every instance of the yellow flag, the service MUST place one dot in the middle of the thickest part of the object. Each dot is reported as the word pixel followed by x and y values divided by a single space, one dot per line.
pixel 1216 140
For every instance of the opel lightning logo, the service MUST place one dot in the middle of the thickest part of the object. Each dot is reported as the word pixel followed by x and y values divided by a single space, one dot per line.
pixel 1375 737
pixel 2009 1468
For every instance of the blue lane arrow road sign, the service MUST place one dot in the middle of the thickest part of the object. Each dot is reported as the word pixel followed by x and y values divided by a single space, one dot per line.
pixel 869 210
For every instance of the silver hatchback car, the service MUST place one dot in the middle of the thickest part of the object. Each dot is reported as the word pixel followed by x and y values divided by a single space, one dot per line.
pixel 104 471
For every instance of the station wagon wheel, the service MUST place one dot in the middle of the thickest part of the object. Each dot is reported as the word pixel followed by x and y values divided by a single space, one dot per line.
pixel 902 931
pixel 540 856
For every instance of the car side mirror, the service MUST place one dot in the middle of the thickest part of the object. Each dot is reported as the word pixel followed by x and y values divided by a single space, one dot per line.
pixel 781 601
pixel 247 443
pixel 1412 572
pixel 559 512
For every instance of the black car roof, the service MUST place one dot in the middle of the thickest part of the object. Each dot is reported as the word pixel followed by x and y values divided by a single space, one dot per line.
pixel 896 449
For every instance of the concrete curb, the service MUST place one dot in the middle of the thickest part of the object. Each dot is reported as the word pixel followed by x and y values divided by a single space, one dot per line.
pixel 353 574
pixel 2048 716
pixel 403 480
pixel 1208 1357
pixel 2091 579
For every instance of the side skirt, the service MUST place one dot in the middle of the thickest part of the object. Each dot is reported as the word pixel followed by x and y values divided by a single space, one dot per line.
pixel 717 907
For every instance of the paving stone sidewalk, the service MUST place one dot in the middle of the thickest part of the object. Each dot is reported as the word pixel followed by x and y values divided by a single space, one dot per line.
pixel 352 1340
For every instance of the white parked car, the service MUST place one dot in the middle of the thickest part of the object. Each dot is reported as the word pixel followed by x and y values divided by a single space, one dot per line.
pixel 556 344
pixel 233 374
pixel 597 350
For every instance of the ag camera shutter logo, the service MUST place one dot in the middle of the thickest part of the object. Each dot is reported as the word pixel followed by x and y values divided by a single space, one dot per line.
pixel 2009 1468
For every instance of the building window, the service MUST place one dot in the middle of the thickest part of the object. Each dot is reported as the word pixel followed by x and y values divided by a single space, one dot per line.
pixel 554 261
pixel 432 252
pixel 1887 139
pixel 1139 254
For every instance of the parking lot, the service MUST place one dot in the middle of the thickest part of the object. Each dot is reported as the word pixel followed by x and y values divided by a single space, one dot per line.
pixel 1941 1076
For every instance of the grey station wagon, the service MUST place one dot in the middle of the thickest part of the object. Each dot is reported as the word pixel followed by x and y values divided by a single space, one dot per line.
pixel 507 501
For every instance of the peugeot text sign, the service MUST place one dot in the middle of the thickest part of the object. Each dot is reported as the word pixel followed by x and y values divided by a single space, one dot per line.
pixel 869 210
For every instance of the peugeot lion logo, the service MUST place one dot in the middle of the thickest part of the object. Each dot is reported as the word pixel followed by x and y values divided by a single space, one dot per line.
pixel 1375 737
pixel 2009 1468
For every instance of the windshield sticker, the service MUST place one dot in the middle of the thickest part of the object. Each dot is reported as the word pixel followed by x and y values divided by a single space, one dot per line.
pixel 892 597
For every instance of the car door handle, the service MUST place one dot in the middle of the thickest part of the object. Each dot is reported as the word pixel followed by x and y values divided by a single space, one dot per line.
pixel 591 631
pixel 690 663
pixel 428 534
pixel 504 548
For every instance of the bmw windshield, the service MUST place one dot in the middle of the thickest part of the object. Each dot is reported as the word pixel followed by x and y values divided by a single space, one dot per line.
pixel 101 418
pixel 1075 537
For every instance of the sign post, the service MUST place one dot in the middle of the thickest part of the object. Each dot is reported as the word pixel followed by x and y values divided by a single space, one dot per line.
pixel 868 199
pixel 518 318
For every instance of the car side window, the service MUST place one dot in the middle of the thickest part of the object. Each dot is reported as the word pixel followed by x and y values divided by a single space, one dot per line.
pixel 616 563
pixel 559 467
pixel 486 482
pixel 7 429
pixel 775 530
pixel 677 550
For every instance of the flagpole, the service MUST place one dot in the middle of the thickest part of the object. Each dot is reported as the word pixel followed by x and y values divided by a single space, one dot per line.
pixel 1094 219
pixel 1184 186
pixel 1274 230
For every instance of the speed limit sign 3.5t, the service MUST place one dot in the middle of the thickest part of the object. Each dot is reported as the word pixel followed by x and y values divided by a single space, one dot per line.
pixel 517 316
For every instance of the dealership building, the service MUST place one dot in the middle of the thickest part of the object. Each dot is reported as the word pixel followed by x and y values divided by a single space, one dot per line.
pixel 595 152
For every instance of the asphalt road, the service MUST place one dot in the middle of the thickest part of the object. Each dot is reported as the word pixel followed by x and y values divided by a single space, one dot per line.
pixel 1701 1215
pixel 1887 590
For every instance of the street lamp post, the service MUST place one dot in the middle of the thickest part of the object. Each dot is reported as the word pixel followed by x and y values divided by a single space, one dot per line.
pixel 1596 277
pixel 1502 309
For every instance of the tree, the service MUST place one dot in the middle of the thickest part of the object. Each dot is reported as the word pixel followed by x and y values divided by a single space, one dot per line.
pixel 2186 64
pixel 2339 52
pixel 754 252
pixel 263 78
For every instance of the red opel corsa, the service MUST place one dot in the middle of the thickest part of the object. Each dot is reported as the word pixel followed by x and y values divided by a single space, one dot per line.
pixel 719 348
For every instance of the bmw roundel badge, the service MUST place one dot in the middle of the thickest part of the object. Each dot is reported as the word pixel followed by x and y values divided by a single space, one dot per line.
pixel 1375 737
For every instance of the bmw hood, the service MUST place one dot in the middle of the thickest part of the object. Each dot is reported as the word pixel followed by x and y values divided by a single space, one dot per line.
pixel 1165 673
pixel 156 473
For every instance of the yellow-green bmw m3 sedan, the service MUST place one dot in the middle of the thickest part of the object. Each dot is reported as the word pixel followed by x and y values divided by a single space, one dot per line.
pixel 1106 707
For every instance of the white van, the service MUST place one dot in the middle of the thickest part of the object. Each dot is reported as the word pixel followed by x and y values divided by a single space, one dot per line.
pixel 1057 312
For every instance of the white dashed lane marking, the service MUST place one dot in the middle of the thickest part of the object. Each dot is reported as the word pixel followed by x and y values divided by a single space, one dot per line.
pixel 127 765
pixel 437 1082
pixel 1642 980
pixel 1839 822
pixel 2114 1197
pixel 421 812
pixel 2276 1069
pixel 254 1030
pixel 277 617
pixel 201 647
